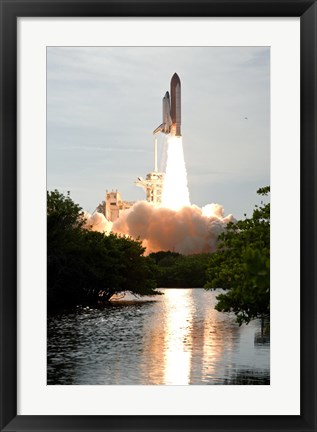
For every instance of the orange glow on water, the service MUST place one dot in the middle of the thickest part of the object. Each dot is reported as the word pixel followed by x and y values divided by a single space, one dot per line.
pixel 178 324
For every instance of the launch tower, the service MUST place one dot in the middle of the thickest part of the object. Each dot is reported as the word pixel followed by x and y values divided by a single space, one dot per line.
pixel 114 205
pixel 153 182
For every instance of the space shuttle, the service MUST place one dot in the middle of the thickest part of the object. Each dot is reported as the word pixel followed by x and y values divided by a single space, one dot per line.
pixel 171 110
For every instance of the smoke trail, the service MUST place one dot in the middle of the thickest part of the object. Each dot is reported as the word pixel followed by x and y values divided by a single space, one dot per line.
pixel 175 193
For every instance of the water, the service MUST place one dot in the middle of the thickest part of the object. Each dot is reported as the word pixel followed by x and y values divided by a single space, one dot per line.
pixel 174 339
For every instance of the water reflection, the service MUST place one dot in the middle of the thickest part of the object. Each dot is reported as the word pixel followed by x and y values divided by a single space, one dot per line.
pixel 178 320
pixel 178 339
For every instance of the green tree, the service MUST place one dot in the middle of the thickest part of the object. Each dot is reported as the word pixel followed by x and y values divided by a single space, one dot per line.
pixel 86 266
pixel 63 213
pixel 241 265
pixel 64 248
pixel 176 270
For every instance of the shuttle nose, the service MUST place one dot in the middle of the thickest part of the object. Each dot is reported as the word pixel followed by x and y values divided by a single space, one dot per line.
pixel 175 78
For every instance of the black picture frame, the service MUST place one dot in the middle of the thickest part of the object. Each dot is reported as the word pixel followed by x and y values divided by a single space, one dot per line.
pixel 10 11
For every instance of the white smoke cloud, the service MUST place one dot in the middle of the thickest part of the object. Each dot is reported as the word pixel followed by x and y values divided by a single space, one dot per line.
pixel 97 222
pixel 186 231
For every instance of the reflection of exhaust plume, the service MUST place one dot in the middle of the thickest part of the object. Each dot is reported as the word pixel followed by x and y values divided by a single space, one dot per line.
pixel 175 193
pixel 97 222
pixel 187 231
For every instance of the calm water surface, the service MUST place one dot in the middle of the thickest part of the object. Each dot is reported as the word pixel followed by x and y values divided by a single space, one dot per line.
pixel 174 339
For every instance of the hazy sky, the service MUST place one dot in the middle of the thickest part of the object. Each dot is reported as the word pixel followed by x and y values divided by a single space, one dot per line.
pixel 103 104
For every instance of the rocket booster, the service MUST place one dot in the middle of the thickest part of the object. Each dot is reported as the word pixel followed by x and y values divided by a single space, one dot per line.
pixel 172 109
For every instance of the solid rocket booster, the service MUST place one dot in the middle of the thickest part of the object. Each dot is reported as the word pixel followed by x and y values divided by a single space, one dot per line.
pixel 172 109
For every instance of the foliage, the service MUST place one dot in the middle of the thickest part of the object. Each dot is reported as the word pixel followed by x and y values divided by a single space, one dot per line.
pixel 86 266
pixel 242 265
pixel 63 212
pixel 179 271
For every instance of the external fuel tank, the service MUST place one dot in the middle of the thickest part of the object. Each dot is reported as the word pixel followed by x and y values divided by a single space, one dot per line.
pixel 172 109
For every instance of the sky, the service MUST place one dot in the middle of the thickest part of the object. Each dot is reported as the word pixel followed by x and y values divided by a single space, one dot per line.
pixel 103 104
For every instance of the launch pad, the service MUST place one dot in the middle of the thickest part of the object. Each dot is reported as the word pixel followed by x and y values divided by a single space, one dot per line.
pixel 153 186
pixel 153 182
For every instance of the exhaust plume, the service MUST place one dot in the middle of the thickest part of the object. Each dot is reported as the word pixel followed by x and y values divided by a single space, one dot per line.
pixel 175 193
